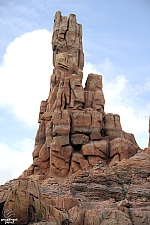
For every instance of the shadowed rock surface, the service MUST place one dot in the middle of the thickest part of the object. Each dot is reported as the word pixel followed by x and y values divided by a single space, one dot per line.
pixel 86 170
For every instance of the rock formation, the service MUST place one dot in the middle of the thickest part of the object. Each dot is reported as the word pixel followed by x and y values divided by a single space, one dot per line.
pixel 74 131
pixel 86 169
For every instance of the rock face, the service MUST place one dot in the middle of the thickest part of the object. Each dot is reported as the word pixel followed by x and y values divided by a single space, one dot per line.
pixel 86 169
pixel 74 131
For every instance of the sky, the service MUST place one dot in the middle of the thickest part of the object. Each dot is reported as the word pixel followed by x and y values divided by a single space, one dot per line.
pixel 116 44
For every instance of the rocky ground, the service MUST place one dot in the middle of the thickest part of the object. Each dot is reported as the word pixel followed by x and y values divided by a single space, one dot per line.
pixel 101 195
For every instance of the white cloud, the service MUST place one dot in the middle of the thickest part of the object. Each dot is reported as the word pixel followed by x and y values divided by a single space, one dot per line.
pixel 121 98
pixel 114 88
pixel 15 159
pixel 107 67
pixel 25 74
pixel 147 85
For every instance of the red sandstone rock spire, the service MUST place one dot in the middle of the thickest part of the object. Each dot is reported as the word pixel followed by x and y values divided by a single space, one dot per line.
pixel 74 131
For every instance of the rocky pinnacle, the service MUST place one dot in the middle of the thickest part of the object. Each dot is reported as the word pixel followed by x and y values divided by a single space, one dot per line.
pixel 74 131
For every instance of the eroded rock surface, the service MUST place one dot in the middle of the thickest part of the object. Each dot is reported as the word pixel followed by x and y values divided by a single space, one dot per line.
pixel 86 169
pixel 74 131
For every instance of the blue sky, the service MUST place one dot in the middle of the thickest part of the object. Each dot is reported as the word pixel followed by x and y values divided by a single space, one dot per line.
pixel 116 42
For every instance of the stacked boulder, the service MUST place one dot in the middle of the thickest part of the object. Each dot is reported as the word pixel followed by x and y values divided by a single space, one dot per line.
pixel 74 131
